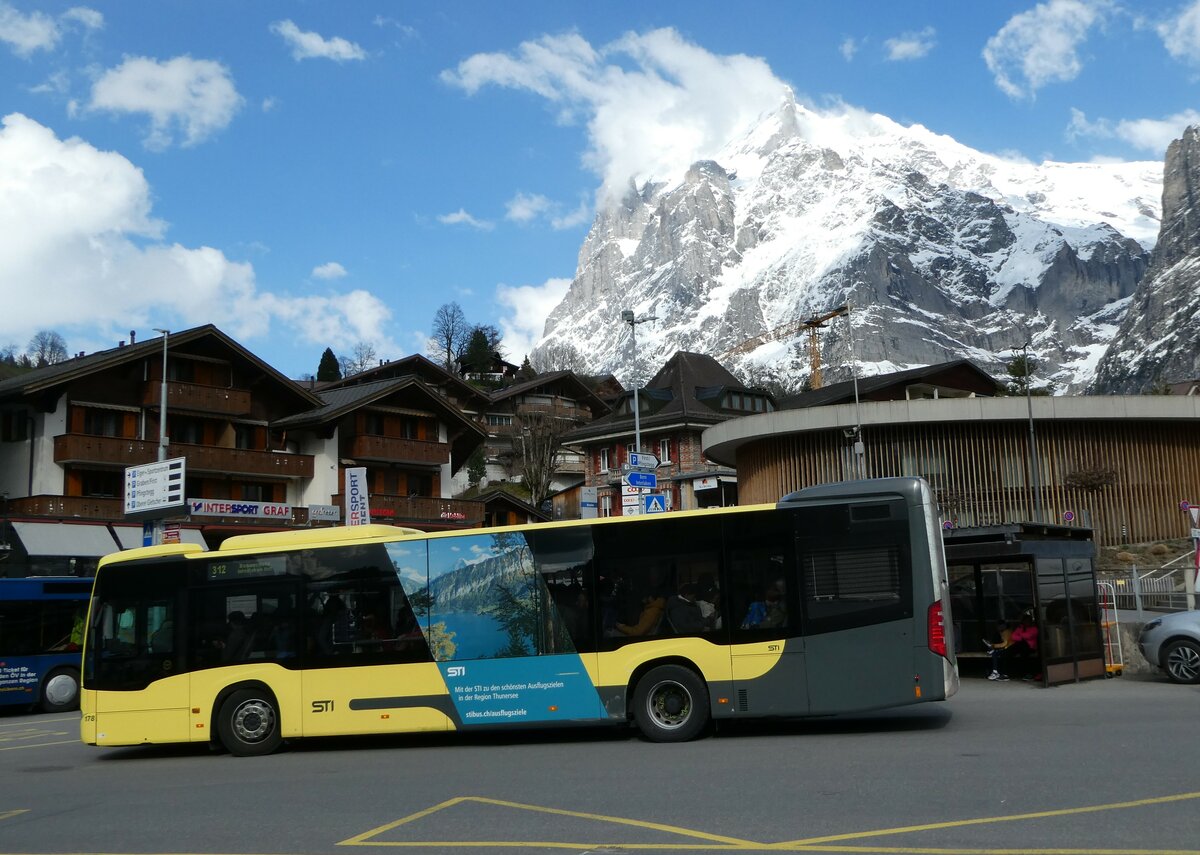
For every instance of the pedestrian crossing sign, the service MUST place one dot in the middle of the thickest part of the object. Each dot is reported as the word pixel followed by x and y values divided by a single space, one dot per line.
pixel 654 503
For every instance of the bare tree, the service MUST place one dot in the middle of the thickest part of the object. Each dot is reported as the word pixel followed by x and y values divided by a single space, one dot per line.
pixel 450 335
pixel 536 443
pixel 46 348
pixel 559 356
pixel 364 357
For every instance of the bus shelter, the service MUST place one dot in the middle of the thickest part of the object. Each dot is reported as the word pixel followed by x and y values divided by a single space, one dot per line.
pixel 997 573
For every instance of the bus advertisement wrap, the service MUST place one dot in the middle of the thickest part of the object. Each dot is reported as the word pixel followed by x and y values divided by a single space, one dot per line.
pixel 549 688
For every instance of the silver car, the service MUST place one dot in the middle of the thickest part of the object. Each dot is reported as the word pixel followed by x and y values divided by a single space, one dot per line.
pixel 1172 642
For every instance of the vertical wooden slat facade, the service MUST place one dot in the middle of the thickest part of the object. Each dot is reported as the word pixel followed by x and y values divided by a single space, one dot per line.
pixel 979 469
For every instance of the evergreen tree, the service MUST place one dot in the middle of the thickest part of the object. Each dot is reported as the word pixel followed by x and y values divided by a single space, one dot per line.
pixel 477 358
pixel 329 368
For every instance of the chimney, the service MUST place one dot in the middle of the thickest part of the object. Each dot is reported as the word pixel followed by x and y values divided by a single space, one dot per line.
pixel 132 336
pixel 121 343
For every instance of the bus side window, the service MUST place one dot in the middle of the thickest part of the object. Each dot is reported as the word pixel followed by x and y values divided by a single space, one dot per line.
pixel 761 575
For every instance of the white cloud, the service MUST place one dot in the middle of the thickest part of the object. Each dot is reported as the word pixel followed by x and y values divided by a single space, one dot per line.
pixel 1041 45
pixel 571 219
pixel 191 97
pixel 27 33
pixel 526 206
pixel 1181 34
pixel 911 45
pixel 329 270
pixel 309 45
pixel 527 307
pixel 1149 135
pixel 39 31
pixel 653 102
pixel 848 48
pixel 269 103
pixel 77 222
pixel 88 18
pixel 461 217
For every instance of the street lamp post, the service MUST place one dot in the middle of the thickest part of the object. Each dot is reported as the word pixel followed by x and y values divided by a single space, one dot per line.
pixel 162 424
pixel 1034 469
pixel 628 317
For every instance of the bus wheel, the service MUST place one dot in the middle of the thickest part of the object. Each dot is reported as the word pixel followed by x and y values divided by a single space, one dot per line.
pixel 248 723
pixel 60 692
pixel 670 704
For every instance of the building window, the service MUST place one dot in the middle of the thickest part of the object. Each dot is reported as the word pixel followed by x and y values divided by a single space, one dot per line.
pixel 499 420
pixel 630 448
pixel 14 426
pixel 606 505
pixel 101 423
pixel 664 451
pixel 603 460
pixel 101 485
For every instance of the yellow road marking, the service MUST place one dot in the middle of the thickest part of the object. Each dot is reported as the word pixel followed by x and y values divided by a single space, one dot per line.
pixel 883 832
pixel 40 745
pixel 363 839
pixel 717 842
pixel 9 814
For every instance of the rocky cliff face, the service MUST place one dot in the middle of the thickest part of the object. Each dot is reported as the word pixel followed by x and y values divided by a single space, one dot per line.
pixel 943 252
pixel 1158 340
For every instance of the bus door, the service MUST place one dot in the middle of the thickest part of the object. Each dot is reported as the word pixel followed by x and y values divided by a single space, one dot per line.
pixel 860 629
pixel 137 660
pixel 768 652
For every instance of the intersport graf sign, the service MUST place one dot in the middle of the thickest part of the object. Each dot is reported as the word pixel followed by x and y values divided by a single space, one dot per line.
pixel 358 509
pixel 234 508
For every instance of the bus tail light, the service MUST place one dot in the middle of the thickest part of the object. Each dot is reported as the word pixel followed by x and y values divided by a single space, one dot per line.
pixel 937 629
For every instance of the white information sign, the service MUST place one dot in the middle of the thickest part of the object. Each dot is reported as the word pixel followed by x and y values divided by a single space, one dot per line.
pixel 324 513
pixel 155 489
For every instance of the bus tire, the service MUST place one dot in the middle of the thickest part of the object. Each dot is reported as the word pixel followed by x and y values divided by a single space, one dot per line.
pixel 248 723
pixel 60 690
pixel 670 704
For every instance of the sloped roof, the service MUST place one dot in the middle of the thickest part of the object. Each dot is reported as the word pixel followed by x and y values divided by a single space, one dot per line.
pixel 46 379
pixel 337 402
pixel 688 388
pixel 417 365
pixel 499 496
pixel 579 390
pixel 960 374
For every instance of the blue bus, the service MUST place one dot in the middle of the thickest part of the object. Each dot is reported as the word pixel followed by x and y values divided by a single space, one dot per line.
pixel 41 639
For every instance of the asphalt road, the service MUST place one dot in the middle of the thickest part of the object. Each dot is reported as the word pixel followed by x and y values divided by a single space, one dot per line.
pixel 1101 767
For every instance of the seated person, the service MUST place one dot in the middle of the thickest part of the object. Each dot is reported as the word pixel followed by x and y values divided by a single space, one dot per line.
pixel 768 613
pixel 683 611
pixel 1021 654
pixel 653 607
pixel 996 649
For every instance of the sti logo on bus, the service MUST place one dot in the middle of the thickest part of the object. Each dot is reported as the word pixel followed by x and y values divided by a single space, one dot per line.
pixel 456 671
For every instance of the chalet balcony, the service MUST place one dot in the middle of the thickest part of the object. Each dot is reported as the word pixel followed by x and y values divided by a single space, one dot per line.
pixel 65 507
pixel 419 511
pixel 75 448
pixel 396 450
pixel 189 397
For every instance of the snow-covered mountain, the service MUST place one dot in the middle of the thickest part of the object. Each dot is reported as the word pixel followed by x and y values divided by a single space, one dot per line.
pixel 1158 341
pixel 942 252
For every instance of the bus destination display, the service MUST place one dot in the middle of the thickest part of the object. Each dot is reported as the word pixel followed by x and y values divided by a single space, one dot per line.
pixel 250 568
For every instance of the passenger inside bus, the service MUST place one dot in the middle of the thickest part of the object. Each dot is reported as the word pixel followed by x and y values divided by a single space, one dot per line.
pixel 650 618
pixel 683 610
pixel 769 612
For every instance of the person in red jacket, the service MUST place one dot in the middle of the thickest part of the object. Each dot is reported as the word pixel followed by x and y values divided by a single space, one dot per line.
pixel 1022 652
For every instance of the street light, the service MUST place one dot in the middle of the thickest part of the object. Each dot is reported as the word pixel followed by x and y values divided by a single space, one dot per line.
pixel 159 524
pixel 628 317
pixel 1034 469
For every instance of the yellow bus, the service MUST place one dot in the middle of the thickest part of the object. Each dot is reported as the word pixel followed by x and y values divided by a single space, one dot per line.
pixel 833 600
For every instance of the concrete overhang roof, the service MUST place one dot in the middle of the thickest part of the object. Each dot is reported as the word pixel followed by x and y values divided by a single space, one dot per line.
pixel 721 442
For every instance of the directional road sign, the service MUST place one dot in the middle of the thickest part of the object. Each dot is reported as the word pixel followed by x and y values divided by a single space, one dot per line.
pixel 642 479
pixel 642 460
pixel 655 503
pixel 155 489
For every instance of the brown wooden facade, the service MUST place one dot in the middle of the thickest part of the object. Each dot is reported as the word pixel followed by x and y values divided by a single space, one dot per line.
pixel 979 467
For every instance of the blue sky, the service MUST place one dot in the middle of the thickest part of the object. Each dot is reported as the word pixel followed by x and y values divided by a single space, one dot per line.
pixel 313 174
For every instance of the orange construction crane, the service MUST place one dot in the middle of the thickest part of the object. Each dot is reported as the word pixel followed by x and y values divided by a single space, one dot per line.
pixel 813 324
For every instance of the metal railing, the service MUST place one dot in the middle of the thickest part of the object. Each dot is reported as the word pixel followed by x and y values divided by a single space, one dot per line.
pixel 1160 589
